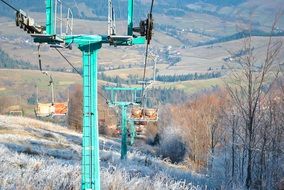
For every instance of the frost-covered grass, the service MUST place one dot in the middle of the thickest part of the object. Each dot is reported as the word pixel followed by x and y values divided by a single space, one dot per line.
pixel 22 171
pixel 39 155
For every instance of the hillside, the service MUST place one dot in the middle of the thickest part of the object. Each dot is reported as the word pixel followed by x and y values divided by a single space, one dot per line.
pixel 202 24
pixel 38 155
pixel 226 10
pixel 20 87
pixel 217 97
pixel 123 61
pixel 189 37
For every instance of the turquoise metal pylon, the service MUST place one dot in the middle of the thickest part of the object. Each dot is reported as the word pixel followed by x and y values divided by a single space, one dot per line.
pixel 90 150
pixel 123 125
pixel 124 105
pixel 89 45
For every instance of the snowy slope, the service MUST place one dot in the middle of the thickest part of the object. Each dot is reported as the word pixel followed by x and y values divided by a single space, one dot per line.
pixel 39 155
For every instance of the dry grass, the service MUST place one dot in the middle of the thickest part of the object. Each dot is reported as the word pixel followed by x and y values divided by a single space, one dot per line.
pixel 25 129
pixel 53 161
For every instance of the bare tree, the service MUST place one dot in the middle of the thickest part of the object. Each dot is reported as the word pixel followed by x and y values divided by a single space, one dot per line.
pixel 245 86
pixel 75 108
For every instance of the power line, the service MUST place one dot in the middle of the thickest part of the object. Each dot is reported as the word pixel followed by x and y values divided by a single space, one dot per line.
pixel 151 9
pixel 145 61
pixel 68 62
pixel 148 37
pixel 11 6
pixel 149 20
pixel 104 97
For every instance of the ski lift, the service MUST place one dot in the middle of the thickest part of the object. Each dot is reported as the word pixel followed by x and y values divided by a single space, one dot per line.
pixel 60 25
pixel 60 109
pixel 51 109
pixel 142 114
pixel 44 110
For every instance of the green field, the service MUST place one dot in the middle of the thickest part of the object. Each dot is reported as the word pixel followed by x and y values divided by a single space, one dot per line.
pixel 193 86
pixel 196 26
pixel 22 85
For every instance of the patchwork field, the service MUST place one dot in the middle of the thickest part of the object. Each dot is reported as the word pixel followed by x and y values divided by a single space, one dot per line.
pixel 199 139
pixel 203 23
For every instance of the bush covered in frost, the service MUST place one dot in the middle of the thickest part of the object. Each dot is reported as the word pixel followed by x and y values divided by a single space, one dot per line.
pixel 171 145
pixel 37 155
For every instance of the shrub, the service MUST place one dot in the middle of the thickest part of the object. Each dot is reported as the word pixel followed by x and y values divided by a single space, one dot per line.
pixel 172 145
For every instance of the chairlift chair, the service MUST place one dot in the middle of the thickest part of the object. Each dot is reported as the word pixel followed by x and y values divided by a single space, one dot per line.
pixel 142 114
pixel 51 109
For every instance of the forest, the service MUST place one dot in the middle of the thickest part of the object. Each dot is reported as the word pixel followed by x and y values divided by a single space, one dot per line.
pixel 7 62
pixel 236 134
pixel 194 76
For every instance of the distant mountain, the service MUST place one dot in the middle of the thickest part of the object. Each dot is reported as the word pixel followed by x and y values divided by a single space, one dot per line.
pixel 211 20
pixel 213 2
pixel 99 7
pixel 80 8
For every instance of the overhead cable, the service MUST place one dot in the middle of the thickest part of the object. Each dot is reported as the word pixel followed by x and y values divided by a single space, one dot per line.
pixel 77 71
pixel 148 37
pixel 11 6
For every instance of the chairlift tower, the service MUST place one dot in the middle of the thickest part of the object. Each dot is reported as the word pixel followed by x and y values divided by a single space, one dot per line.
pixel 89 46
pixel 124 105
pixel 138 113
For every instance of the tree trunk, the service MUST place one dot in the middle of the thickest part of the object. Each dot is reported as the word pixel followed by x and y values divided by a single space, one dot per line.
pixel 249 166
pixel 233 151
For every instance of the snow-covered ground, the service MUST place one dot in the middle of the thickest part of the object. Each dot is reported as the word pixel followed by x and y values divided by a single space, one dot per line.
pixel 39 155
